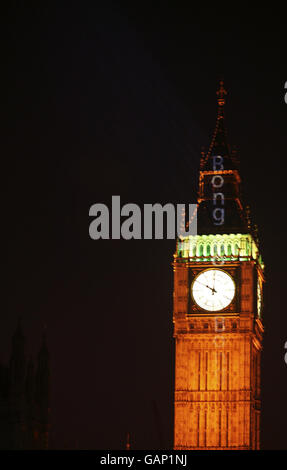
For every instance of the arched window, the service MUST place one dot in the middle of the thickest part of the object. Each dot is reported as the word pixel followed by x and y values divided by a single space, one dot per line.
pixel 222 250
pixel 200 250
pixel 208 250
pixel 229 250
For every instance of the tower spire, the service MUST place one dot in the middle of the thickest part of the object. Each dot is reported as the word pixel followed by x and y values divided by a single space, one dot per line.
pixel 17 359
pixel 219 174
pixel 128 442
pixel 219 144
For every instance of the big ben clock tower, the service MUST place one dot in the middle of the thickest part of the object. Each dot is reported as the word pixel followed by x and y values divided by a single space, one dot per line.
pixel 218 279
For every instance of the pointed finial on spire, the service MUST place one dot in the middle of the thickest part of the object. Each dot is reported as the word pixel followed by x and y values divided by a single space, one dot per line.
pixel 128 442
pixel 221 93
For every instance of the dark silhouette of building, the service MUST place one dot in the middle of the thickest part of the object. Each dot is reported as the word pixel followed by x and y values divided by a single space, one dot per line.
pixel 24 397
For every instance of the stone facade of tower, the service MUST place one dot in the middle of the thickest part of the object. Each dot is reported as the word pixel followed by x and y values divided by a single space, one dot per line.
pixel 218 352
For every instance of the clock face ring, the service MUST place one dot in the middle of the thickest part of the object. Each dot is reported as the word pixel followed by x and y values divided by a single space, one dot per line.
pixel 213 289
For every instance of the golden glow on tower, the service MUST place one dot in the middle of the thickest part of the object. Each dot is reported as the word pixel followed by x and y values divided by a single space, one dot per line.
pixel 218 354
pixel 217 315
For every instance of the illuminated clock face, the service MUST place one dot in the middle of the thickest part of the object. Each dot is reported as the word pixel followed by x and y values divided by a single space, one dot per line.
pixel 213 289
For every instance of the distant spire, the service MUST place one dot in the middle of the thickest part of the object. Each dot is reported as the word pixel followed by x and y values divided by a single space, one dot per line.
pixel 128 443
pixel 30 381
pixel 43 374
pixel 43 355
pixel 17 359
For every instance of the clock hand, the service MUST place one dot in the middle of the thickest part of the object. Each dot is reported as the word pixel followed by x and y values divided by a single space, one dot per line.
pixel 205 285
pixel 213 290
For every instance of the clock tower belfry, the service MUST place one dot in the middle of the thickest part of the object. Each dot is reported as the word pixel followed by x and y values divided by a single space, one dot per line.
pixel 218 329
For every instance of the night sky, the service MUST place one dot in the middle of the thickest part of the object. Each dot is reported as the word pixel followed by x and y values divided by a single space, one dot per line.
pixel 119 100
